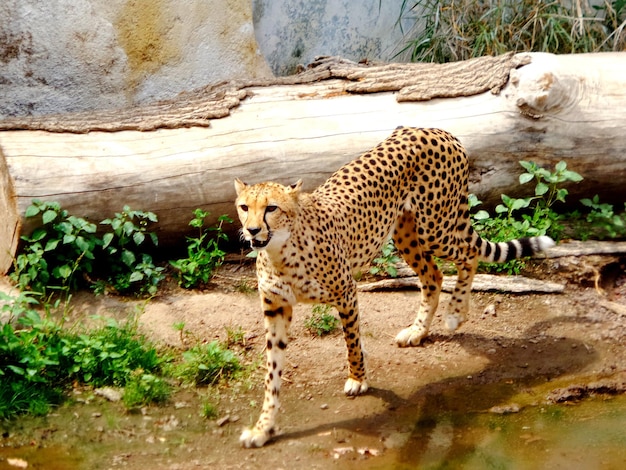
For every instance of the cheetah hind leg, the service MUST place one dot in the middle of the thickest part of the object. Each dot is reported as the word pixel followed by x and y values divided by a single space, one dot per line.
pixel 459 305
pixel 431 279
pixel 429 274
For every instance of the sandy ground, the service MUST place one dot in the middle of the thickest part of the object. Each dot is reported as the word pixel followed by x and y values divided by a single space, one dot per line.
pixel 515 351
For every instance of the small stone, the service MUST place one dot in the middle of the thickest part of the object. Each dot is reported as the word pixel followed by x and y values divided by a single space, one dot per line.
pixel 505 409
pixel 397 440
pixel 109 393
pixel 368 451
pixel 490 310
pixel 222 421
pixel 18 463
pixel 324 406
pixel 339 451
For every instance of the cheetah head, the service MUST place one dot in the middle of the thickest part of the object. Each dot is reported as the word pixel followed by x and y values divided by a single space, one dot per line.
pixel 267 212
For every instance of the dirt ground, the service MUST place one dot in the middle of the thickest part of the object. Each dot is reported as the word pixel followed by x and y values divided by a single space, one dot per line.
pixel 516 351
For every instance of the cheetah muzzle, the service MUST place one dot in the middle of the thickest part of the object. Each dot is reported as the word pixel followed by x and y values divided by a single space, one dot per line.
pixel 414 185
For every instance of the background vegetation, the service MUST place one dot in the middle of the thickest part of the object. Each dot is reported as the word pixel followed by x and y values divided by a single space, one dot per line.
pixel 451 30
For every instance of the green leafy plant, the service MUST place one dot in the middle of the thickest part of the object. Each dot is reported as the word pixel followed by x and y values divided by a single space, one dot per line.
pixel 203 253
pixel 600 220
pixel 57 252
pixel 244 286
pixel 452 30
pixel 526 217
pixel 530 216
pixel 109 355
pixel 321 322
pixel 29 359
pixel 142 389
pixel 39 359
pixel 208 409
pixel 130 270
pixel 386 262
pixel 235 337
pixel 207 364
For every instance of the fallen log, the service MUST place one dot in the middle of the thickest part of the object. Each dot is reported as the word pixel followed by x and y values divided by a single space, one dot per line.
pixel 482 282
pixel 554 108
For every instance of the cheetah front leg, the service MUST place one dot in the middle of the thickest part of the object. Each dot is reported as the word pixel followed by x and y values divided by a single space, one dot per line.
pixel 277 321
pixel 349 313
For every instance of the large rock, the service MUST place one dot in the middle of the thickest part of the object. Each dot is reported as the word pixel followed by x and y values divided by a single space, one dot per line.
pixel 75 55
pixel 293 32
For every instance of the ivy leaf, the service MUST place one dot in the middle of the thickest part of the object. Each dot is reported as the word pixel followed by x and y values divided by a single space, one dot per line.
pixel 541 189
pixel 107 239
pixel 64 271
pixel 135 276
pixel 525 178
pixel 138 238
pixel 572 176
pixel 51 245
pixel 48 216
pixel 31 211
pixel 38 234
pixel 128 257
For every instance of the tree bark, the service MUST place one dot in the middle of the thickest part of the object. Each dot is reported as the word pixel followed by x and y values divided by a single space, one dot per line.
pixel 570 108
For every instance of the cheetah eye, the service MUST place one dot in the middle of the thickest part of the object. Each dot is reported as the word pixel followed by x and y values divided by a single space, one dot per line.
pixel 271 208
pixel 243 207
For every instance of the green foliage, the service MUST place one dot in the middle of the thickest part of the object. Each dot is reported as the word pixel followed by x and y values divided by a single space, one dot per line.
pixel 64 251
pixel 142 389
pixel 29 359
pixel 530 216
pixel 452 30
pixel 203 253
pixel 130 270
pixel 600 220
pixel 386 262
pixel 208 410
pixel 62 247
pixel 39 359
pixel 235 337
pixel 207 364
pixel 245 287
pixel 108 355
pixel 526 217
pixel 321 322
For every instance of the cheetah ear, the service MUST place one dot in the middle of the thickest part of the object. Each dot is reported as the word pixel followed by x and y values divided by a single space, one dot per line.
pixel 296 187
pixel 239 186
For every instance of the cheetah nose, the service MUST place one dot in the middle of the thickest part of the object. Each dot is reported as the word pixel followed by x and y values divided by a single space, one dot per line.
pixel 254 230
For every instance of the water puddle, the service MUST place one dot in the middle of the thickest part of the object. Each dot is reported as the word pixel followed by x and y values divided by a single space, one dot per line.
pixel 590 434
pixel 587 435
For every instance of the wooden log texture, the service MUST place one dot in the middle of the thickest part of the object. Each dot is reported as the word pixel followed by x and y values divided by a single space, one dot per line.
pixel 570 107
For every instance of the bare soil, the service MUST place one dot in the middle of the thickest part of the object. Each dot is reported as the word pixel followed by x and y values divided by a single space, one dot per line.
pixel 515 351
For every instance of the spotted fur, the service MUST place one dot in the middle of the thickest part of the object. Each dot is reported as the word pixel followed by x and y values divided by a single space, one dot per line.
pixel 412 186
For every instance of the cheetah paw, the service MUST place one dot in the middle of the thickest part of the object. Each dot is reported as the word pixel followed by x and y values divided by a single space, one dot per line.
pixel 454 320
pixel 254 438
pixel 354 387
pixel 411 336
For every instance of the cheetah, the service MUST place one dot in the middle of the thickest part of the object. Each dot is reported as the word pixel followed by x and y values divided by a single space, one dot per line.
pixel 414 187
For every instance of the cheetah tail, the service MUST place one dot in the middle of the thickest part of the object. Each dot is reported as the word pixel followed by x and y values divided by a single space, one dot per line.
pixel 506 251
